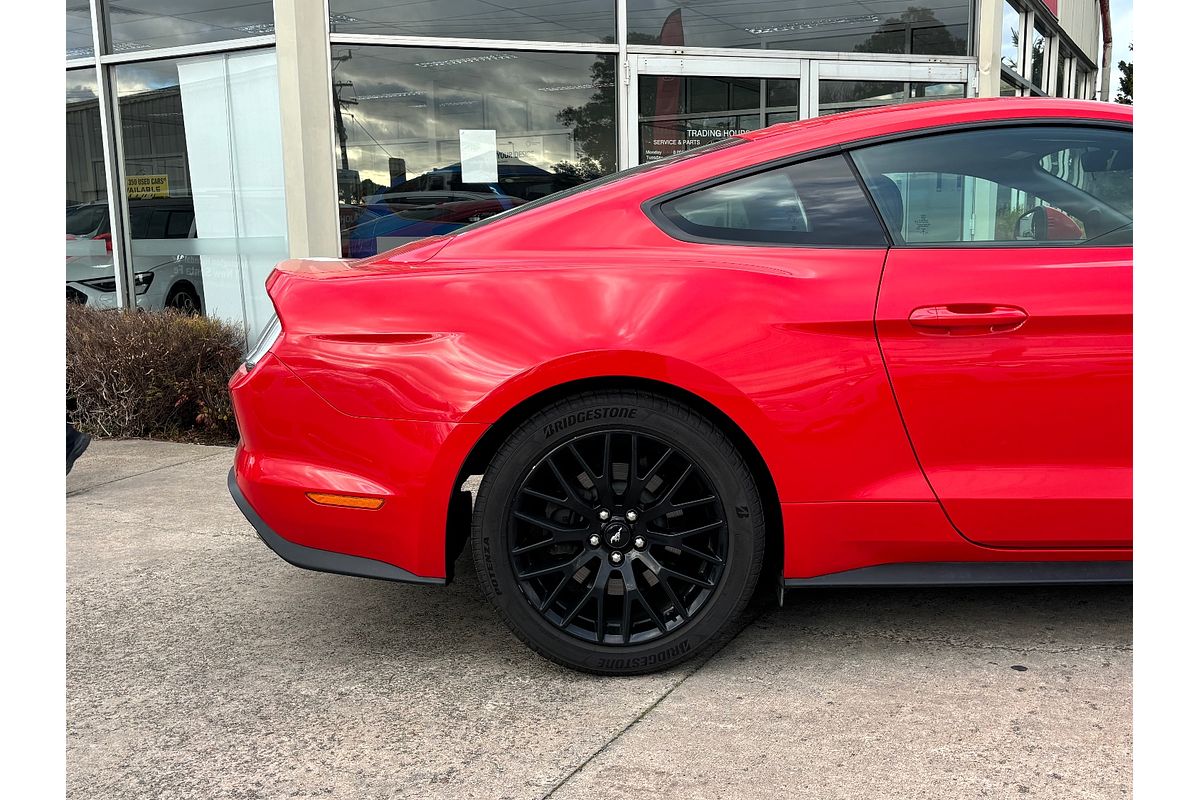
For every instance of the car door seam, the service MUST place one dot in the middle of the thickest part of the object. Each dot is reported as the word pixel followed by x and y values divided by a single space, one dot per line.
pixel 896 398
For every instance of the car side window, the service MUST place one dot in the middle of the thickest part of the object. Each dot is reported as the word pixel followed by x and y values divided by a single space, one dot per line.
pixel 812 203
pixel 1103 170
pixel 1021 185
pixel 139 222
pixel 179 225
pixel 156 226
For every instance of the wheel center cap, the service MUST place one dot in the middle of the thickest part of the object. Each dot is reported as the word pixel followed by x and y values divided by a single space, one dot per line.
pixel 617 535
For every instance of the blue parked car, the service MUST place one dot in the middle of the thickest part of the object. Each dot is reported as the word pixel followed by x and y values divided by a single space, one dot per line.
pixel 379 228
pixel 439 202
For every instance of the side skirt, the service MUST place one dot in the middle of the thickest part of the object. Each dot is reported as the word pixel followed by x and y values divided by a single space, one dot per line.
pixel 975 573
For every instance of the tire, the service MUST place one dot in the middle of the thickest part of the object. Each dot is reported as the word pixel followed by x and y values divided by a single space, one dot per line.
pixel 183 297
pixel 689 555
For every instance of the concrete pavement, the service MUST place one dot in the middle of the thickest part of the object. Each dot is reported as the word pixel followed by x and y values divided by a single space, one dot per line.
pixel 201 665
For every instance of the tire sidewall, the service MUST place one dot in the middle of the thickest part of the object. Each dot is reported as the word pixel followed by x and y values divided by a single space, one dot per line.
pixel 713 455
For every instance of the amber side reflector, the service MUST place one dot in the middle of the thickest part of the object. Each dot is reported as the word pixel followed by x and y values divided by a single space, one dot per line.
pixel 345 500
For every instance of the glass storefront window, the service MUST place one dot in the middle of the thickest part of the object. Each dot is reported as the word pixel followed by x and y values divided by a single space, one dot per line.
pixel 1040 42
pixel 1008 88
pixel 679 113
pixel 79 29
pixel 429 140
pixel 1062 76
pixel 936 91
pixel 89 241
pixel 204 183
pixel 1081 83
pixel 536 20
pixel 1010 38
pixel 835 96
pixel 149 24
pixel 863 26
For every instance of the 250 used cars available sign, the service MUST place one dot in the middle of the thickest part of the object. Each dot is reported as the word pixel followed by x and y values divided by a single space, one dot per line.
pixel 147 187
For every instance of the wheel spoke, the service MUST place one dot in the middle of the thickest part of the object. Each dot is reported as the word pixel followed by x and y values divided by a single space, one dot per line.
pixel 663 572
pixel 604 486
pixel 683 576
pixel 664 507
pixel 520 551
pixel 549 498
pixel 631 496
pixel 553 527
pixel 658 620
pixel 568 566
pixel 693 503
pixel 566 620
pixel 569 504
pixel 550 598
pixel 587 595
pixel 683 477
pixel 626 609
pixel 637 483
pixel 665 504
pixel 601 622
pixel 599 479
pixel 709 557
pixel 675 536
pixel 674 599
pixel 538 545
pixel 574 501
pixel 659 465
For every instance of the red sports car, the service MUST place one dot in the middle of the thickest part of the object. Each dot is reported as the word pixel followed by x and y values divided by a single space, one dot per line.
pixel 878 348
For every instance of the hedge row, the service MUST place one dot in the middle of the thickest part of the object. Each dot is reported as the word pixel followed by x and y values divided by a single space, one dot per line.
pixel 160 375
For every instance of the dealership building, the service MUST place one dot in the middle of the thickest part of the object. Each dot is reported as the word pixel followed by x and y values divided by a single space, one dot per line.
pixel 208 140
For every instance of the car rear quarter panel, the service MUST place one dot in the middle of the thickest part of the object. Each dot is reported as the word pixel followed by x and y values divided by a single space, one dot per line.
pixel 784 346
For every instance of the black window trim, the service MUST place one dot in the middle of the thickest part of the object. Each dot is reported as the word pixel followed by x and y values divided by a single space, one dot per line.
pixel 651 207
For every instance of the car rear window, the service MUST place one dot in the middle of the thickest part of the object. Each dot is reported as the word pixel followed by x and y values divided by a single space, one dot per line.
pixel 815 203
pixel 85 219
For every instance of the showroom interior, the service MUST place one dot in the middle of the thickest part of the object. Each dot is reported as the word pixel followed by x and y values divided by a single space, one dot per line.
pixel 207 140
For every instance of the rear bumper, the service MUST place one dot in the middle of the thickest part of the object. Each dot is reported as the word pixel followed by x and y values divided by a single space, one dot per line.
pixel 294 443
pixel 321 560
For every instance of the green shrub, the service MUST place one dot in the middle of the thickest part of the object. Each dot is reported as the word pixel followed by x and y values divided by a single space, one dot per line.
pixel 159 375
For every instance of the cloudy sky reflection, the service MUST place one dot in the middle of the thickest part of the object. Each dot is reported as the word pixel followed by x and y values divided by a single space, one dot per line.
pixel 411 103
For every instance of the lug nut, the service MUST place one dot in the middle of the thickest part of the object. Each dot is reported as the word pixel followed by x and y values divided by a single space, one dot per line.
pixel 631 515
pixel 616 557
pixel 639 543
pixel 594 540
pixel 604 515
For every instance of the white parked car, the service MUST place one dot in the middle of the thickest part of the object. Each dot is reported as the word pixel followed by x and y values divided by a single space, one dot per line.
pixel 160 281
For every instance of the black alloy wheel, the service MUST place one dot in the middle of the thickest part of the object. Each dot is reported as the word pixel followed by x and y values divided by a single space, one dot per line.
pixel 618 533
pixel 611 553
